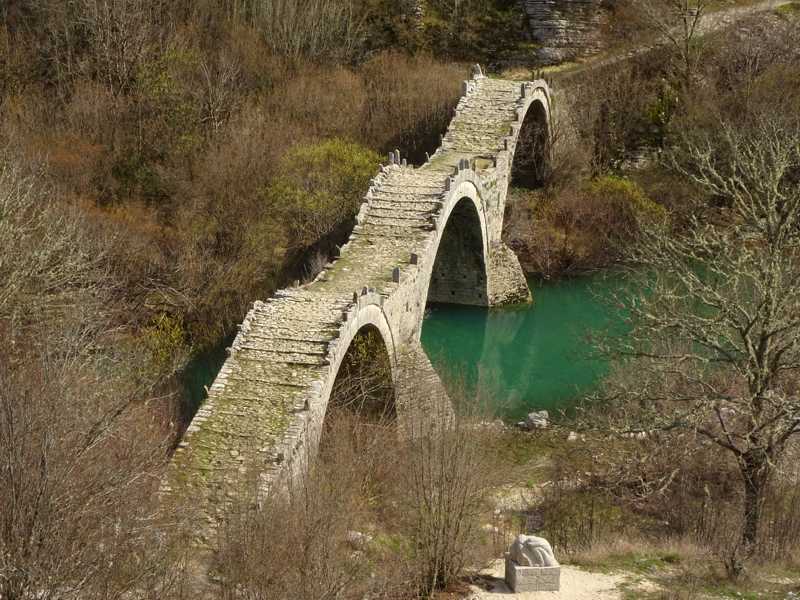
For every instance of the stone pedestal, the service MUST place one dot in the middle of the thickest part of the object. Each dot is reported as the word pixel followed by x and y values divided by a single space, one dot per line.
pixel 532 579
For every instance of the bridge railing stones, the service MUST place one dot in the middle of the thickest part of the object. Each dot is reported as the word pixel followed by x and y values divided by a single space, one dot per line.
pixel 267 405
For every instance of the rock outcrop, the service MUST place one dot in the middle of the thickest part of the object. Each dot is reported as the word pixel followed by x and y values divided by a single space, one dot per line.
pixel 566 29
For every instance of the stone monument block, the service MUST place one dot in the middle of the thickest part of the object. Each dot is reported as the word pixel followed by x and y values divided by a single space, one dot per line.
pixel 532 579
pixel 531 566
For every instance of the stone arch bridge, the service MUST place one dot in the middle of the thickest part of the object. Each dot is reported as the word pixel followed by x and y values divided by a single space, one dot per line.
pixel 431 233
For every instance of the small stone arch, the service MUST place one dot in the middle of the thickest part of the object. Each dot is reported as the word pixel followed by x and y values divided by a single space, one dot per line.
pixel 531 162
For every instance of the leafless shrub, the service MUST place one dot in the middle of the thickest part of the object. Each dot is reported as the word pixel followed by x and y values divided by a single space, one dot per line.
pixel 295 29
pixel 217 92
pixel 410 101
pixel 80 461
pixel 446 477
pixel 80 446
pixel 53 272
pixel 108 40
pixel 417 499
pixel 311 540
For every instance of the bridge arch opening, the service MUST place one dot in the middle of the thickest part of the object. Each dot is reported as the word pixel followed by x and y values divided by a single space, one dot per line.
pixel 363 393
pixel 459 271
pixel 531 159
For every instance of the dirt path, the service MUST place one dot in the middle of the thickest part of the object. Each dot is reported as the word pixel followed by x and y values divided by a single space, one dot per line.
pixel 576 584
pixel 711 22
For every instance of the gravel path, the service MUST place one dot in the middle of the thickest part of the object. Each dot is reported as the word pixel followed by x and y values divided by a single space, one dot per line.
pixel 575 585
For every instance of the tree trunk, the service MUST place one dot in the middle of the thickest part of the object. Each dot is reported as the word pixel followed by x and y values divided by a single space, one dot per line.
pixel 755 469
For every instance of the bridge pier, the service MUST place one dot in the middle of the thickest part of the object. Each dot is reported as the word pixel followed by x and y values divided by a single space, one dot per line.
pixel 507 281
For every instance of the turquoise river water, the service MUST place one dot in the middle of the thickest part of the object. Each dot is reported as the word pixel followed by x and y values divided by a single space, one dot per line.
pixel 525 358
pixel 519 358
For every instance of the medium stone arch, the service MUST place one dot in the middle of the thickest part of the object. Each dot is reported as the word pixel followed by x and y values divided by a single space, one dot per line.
pixel 364 384
pixel 459 273
pixel 369 316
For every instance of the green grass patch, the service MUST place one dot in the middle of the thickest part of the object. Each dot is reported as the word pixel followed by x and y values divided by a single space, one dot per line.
pixel 790 10
pixel 642 563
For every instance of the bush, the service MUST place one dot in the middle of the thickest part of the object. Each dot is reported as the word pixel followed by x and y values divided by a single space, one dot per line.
pixel 582 226
pixel 319 188
pixel 312 29
pixel 445 481
pixel 81 441
pixel 410 102
pixel 625 197
pixel 165 341
pixel 362 521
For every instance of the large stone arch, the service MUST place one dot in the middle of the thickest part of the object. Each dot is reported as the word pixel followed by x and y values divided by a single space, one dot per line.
pixel 459 270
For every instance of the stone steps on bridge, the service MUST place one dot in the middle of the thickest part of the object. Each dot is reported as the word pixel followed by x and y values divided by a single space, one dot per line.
pixel 425 207
pixel 319 313
pixel 381 231
pixel 421 189
pixel 289 334
pixel 395 220
pixel 295 346
pixel 289 358
pixel 279 373
pixel 295 383
pixel 404 210
pixel 253 391
pixel 495 108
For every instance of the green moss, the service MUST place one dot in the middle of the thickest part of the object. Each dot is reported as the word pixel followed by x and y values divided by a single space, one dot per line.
pixel 790 10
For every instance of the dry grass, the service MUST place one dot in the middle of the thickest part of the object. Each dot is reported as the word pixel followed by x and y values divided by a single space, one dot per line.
pixel 418 500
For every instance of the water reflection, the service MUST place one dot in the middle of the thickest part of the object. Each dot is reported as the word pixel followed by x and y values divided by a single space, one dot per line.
pixel 525 358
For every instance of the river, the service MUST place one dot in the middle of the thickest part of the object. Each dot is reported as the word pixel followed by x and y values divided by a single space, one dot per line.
pixel 526 358
pixel 520 358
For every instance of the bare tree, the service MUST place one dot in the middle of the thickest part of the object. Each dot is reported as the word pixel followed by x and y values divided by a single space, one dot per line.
pixel 316 29
pixel 445 481
pixel 48 266
pixel 108 40
pixel 715 330
pixel 216 93
pixel 80 446
pixel 679 24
